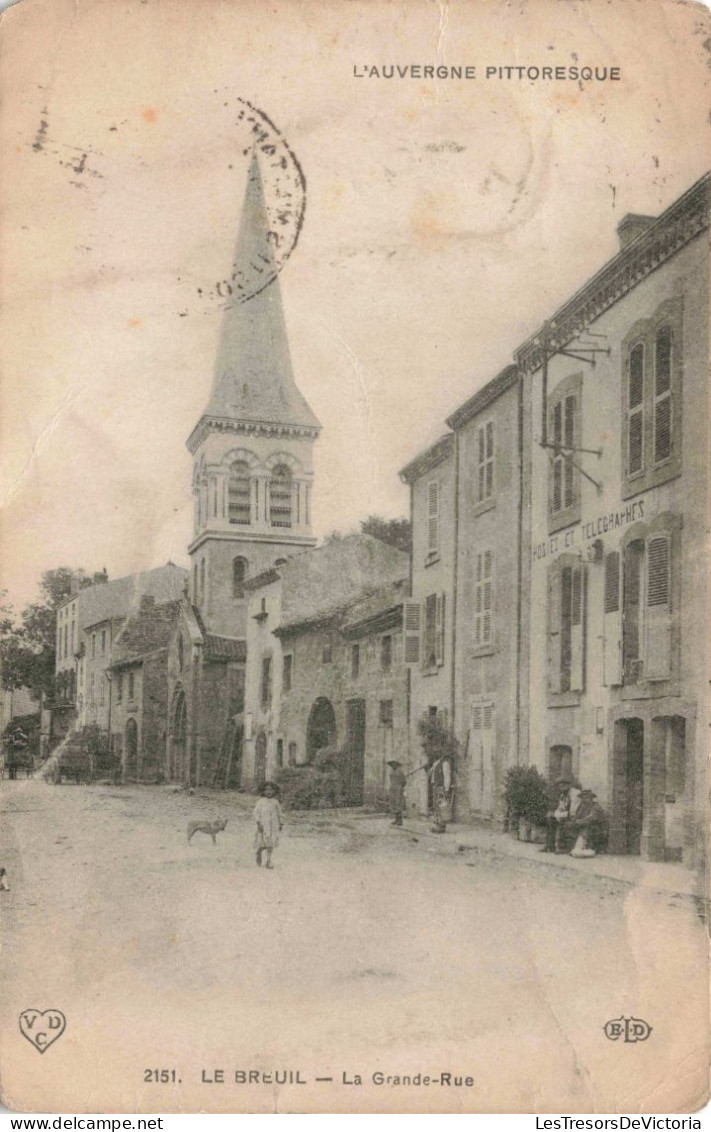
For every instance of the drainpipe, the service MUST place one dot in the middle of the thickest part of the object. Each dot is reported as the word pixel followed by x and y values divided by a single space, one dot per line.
pixel 408 669
pixel 455 575
pixel 194 733
pixel 544 386
pixel 519 568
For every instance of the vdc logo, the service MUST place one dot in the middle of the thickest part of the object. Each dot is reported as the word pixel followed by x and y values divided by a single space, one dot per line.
pixel 42 1027
pixel 629 1029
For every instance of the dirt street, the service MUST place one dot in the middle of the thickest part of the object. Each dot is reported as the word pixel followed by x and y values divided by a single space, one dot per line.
pixel 364 950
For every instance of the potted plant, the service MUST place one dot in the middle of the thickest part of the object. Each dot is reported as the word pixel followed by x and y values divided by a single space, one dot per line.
pixel 526 797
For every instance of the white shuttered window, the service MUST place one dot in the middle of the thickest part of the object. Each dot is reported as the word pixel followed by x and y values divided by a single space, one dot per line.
pixel 484 599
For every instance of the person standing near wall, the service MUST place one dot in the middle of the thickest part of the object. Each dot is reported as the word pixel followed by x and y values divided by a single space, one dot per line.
pixel 398 782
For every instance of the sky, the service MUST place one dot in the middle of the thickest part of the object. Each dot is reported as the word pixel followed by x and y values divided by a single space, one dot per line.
pixel 444 220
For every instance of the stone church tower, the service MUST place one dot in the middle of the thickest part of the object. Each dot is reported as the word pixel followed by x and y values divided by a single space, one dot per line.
pixel 252 446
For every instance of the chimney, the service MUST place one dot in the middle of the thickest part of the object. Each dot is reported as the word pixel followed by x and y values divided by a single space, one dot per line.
pixel 76 583
pixel 631 226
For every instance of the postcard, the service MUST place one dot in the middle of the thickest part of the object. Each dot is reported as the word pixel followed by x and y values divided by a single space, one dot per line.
pixel 354 617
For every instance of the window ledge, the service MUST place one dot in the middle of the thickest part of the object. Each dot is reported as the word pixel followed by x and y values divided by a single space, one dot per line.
pixel 431 558
pixel 483 506
pixel 260 616
pixel 653 477
pixel 483 650
pixel 431 671
pixel 563 519
pixel 650 690
pixel 564 699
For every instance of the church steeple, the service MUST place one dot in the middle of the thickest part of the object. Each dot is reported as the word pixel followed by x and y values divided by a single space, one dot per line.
pixel 254 382
pixel 252 446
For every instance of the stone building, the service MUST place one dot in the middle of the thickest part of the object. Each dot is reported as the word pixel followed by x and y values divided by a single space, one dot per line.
pixel 619 513
pixel 252 482
pixel 563 525
pixel 325 662
pixel 71 620
pixel 428 615
pixel 104 611
pixel 138 678
pixel 491 611
pixel 206 697
pixel 88 622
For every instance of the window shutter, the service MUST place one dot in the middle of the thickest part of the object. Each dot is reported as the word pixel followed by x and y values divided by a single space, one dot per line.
pixel 557 484
pixel 612 642
pixel 489 459
pixel 482 754
pixel 439 630
pixel 433 515
pixel 487 595
pixel 483 598
pixel 662 395
pixel 657 651
pixel 412 616
pixel 577 630
pixel 478 600
pixel 635 410
pixel 553 658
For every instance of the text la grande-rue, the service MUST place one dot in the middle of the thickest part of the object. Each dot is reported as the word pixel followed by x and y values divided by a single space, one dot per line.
pixel 298 1077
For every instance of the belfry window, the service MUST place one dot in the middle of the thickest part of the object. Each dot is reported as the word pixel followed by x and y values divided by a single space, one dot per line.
pixel 280 496
pixel 239 504
pixel 239 573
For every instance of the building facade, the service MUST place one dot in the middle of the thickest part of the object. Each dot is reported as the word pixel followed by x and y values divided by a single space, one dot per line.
pixel 138 678
pixel 490 616
pixel 324 662
pixel 619 513
pixel 205 698
pixel 88 623
pixel 559 561
pixel 428 615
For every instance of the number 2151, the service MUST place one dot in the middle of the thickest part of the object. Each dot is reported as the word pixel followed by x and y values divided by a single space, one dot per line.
pixel 160 1076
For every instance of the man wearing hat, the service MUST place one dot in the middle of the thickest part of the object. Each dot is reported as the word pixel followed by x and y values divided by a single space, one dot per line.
pixel 563 799
pixel 18 746
pixel 398 782
pixel 588 826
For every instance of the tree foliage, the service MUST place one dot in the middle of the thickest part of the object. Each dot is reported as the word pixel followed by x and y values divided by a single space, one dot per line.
pixel 395 532
pixel 438 741
pixel 27 648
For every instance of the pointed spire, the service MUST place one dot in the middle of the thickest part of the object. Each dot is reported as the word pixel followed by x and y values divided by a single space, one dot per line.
pixel 254 381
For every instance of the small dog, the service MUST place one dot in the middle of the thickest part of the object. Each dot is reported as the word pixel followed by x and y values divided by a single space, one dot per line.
pixel 211 827
pixel 4 886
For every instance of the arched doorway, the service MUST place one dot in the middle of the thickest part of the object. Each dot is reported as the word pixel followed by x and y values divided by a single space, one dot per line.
pixel 321 728
pixel 628 801
pixel 260 759
pixel 178 736
pixel 131 769
pixel 560 762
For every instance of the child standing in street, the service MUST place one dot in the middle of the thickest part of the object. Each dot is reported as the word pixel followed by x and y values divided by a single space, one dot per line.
pixel 269 817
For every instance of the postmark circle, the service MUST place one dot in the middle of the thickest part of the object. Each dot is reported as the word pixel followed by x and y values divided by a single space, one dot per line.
pixel 284 190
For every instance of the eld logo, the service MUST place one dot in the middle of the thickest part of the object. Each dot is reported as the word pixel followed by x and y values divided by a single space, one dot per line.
pixel 42 1027
pixel 629 1029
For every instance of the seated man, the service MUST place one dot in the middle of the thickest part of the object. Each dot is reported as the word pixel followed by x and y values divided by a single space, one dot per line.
pixel 563 801
pixel 589 824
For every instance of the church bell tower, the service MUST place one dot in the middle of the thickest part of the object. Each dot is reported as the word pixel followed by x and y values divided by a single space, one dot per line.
pixel 252 447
